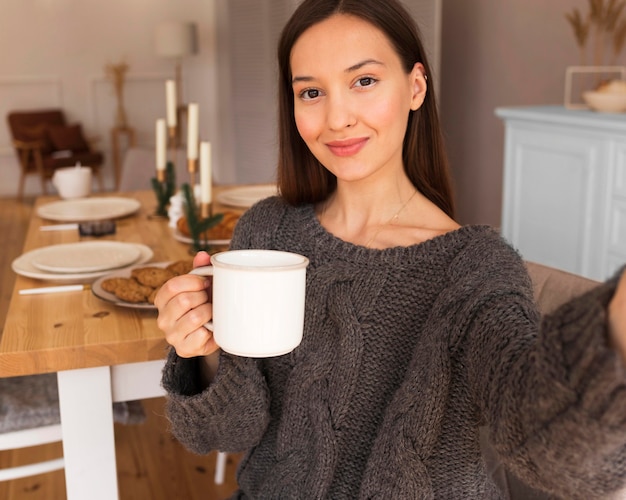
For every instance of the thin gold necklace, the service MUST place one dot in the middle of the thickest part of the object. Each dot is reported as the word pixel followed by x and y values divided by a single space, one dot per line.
pixel 394 217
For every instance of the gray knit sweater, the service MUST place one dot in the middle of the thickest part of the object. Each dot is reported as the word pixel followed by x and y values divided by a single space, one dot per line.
pixel 406 352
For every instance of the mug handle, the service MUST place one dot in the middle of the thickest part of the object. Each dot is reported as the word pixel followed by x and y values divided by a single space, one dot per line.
pixel 204 271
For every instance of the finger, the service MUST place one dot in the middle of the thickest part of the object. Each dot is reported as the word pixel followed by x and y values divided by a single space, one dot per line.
pixel 202 258
pixel 200 342
pixel 184 312
pixel 178 285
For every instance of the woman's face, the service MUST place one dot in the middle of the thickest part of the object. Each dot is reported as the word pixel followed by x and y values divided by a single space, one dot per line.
pixel 352 97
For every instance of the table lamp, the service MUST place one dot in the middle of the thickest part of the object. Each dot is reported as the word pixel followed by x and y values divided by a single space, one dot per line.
pixel 175 40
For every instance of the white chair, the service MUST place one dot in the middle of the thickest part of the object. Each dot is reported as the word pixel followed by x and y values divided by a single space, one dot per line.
pixel 29 416
pixel 31 437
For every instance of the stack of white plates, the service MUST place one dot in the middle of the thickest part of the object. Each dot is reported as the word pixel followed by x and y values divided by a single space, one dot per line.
pixel 87 209
pixel 82 262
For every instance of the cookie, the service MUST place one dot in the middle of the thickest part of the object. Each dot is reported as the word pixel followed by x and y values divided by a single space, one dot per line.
pixel 111 284
pixel 152 276
pixel 180 267
pixel 130 290
pixel 222 231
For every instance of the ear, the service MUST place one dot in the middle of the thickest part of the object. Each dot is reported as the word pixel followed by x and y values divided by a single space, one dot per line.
pixel 418 82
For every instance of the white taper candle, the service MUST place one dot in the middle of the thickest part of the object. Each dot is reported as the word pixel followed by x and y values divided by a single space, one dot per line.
pixel 170 100
pixel 192 132
pixel 205 173
pixel 161 144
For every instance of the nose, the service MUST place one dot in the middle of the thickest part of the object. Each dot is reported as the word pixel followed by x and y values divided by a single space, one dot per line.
pixel 341 112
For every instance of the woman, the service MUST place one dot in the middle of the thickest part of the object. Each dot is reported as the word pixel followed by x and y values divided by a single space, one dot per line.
pixel 417 330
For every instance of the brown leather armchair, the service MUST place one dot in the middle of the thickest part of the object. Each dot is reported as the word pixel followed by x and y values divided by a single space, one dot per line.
pixel 43 142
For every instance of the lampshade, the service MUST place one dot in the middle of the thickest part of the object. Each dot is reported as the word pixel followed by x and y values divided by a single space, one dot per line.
pixel 175 39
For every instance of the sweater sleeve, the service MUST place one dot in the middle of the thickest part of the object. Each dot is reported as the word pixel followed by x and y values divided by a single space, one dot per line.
pixel 230 415
pixel 233 412
pixel 552 390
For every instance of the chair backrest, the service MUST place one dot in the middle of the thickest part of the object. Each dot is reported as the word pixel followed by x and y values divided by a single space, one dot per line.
pixel 24 438
pixel 33 125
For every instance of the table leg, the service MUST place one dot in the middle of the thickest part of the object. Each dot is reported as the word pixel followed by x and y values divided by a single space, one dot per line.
pixel 88 439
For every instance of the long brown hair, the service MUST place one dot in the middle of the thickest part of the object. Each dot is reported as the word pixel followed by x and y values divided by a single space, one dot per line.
pixel 301 177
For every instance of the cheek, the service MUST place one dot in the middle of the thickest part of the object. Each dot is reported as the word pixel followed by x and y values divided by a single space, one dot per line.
pixel 385 112
pixel 306 125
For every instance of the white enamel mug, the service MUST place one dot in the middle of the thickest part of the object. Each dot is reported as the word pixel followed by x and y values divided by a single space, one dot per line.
pixel 258 301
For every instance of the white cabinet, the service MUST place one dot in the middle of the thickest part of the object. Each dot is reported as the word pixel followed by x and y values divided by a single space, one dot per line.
pixel 564 198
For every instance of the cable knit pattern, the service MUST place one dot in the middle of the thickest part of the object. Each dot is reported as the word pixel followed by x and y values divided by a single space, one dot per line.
pixel 406 353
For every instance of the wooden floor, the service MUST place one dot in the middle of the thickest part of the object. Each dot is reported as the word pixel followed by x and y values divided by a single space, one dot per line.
pixel 151 464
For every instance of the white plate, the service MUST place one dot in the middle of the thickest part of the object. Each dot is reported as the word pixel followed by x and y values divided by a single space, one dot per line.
pixel 24 266
pixel 246 196
pixel 98 291
pixel 86 209
pixel 86 256
pixel 186 239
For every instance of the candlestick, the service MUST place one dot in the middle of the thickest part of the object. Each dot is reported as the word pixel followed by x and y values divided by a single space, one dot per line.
pixel 205 210
pixel 192 131
pixel 170 96
pixel 192 168
pixel 161 149
pixel 205 173
pixel 164 186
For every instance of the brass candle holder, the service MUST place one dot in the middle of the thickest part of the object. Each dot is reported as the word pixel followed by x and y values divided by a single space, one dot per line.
pixel 192 168
pixel 164 187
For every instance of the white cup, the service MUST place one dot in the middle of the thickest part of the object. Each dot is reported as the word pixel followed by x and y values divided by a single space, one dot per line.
pixel 72 182
pixel 258 301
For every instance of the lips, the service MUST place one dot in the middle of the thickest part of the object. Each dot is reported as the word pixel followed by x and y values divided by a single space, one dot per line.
pixel 347 147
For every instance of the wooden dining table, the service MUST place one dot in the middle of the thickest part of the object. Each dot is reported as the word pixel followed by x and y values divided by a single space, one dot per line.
pixel 101 352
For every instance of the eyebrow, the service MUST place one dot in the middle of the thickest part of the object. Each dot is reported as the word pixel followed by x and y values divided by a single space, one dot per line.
pixel 352 68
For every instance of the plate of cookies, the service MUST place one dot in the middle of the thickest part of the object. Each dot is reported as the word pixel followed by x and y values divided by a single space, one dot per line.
pixel 218 235
pixel 136 287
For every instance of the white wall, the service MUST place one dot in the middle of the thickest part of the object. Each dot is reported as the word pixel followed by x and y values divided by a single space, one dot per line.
pixel 497 53
pixel 53 54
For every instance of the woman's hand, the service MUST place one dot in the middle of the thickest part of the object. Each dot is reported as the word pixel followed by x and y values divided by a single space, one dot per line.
pixel 184 309
pixel 617 318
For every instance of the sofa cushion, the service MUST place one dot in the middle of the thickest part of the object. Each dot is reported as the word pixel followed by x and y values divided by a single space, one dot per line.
pixel 553 287
pixel 68 138
pixel 33 401
pixel 85 158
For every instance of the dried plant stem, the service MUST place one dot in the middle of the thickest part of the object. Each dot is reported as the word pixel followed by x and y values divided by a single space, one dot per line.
pixel 605 25
pixel 117 74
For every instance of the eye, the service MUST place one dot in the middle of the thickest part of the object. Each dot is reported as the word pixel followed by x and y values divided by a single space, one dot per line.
pixel 309 94
pixel 366 81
